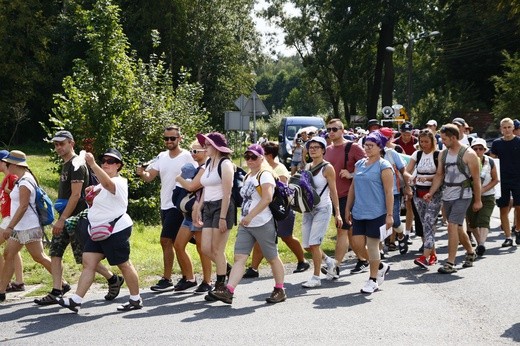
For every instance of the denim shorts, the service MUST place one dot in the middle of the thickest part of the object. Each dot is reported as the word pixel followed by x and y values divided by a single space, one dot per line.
pixel 397 211
pixel 315 225
pixel 188 223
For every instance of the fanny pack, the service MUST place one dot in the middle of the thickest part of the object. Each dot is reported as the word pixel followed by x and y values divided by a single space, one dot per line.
pixel 420 191
pixel 103 231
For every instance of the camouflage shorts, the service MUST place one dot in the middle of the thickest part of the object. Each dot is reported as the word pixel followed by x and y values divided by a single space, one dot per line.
pixel 59 244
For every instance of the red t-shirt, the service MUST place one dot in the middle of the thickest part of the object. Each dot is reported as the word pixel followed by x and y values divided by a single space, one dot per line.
pixel 5 199
pixel 409 148
pixel 336 156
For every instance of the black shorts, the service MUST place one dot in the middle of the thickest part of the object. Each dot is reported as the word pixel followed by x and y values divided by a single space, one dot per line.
pixel 116 248
pixel 342 205
pixel 171 220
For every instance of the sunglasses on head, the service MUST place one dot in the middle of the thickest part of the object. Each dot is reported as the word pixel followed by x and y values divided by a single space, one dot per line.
pixel 109 160
pixel 170 138
pixel 195 151
pixel 333 129
pixel 252 157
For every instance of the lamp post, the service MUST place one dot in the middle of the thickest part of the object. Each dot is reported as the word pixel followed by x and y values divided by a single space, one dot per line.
pixel 409 65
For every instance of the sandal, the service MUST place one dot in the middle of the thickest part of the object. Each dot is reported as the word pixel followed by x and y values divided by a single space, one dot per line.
pixel 49 299
pixel 14 287
pixel 131 305
pixel 113 289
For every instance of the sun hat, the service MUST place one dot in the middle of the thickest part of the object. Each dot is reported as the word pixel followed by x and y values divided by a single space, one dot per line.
pixel 216 139
pixel 16 157
pixel 479 141
pixel 318 139
pixel 3 154
pixel 256 149
pixel 60 136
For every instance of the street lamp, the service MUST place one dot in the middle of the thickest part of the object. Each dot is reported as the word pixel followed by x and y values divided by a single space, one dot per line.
pixel 409 68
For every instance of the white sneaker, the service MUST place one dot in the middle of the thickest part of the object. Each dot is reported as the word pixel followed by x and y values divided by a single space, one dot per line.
pixel 313 282
pixel 331 268
pixel 370 287
pixel 381 273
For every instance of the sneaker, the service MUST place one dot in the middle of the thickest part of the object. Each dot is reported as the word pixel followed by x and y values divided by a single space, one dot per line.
pixel 313 282
pixel 381 273
pixel 218 286
pixel 432 260
pixel 302 266
pixel 331 268
pixel 422 262
pixel 517 237
pixel 468 261
pixel 223 294
pixel 277 296
pixel 115 288
pixel 250 273
pixel 370 287
pixel 507 243
pixel 186 284
pixel 409 240
pixel 403 245
pixel 480 250
pixel 447 269
pixel 49 299
pixel 180 282
pixel 2 297
pixel 14 287
pixel 361 266
pixel 164 285
pixel 131 305
pixel 69 304
pixel 203 288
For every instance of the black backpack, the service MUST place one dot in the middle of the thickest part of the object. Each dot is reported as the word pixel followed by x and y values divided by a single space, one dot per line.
pixel 238 181
pixel 279 205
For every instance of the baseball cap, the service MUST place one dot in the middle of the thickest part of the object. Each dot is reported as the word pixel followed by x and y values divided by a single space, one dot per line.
pixel 459 121
pixel 3 154
pixel 60 136
pixel 431 123
pixel 516 123
pixel 406 127
pixel 386 131
pixel 373 122
pixel 256 149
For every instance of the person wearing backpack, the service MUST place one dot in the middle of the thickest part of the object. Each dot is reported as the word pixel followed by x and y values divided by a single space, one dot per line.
pixel 370 206
pixel 70 202
pixel 8 184
pixel 24 228
pixel 315 223
pixel 284 228
pixel 425 162
pixel 216 211
pixel 256 225
pixel 459 172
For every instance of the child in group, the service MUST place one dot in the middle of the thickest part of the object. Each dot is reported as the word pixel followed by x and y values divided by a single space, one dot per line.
pixel 5 207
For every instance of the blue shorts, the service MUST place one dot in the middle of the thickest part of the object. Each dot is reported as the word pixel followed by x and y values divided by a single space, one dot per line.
pixel 284 228
pixel 368 228
pixel 116 248
pixel 188 223
pixel 397 211
pixel 171 220
pixel 295 163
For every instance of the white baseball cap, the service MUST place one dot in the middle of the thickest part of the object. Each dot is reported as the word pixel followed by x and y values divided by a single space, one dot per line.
pixel 431 123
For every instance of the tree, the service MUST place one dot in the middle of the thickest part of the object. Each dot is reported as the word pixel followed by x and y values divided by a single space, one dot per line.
pixel 507 91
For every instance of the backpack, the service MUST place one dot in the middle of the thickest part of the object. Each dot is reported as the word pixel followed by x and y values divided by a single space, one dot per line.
pixel 279 205
pixel 183 199
pixel 435 157
pixel 467 183
pixel 238 181
pixel 305 197
pixel 44 207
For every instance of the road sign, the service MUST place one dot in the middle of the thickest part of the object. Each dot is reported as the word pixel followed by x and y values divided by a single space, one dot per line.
pixel 236 121
pixel 254 106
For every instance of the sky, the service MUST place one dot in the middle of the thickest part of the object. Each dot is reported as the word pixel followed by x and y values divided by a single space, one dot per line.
pixel 263 27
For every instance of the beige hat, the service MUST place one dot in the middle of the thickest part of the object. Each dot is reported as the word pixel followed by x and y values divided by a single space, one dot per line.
pixel 16 157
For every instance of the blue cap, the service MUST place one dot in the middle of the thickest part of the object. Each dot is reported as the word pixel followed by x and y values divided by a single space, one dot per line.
pixel 5 153
pixel 516 123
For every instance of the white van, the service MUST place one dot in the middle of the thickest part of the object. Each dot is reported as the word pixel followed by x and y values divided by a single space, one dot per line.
pixel 289 128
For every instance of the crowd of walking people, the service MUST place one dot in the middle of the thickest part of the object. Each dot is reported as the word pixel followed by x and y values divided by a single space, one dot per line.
pixel 361 181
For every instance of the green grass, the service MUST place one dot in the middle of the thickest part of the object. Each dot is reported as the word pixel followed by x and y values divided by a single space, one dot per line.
pixel 146 253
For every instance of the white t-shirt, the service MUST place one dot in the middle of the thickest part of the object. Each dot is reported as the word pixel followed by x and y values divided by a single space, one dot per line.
pixel 107 206
pixel 425 168
pixel 212 181
pixel 169 168
pixel 252 198
pixel 30 218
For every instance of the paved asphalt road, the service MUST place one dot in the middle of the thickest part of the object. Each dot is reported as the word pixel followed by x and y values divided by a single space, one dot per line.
pixel 476 306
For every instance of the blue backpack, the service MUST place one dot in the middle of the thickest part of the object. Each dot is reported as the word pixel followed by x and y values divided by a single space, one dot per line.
pixel 44 206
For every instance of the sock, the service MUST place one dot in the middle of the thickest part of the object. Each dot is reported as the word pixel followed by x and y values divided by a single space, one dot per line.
pixel 231 289
pixel 77 299
pixel 135 298
pixel 279 286
pixel 407 232
pixel 56 292
pixel 221 278
pixel 113 279
pixel 373 279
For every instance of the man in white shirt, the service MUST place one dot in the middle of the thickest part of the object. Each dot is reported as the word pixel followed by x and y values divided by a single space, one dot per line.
pixel 168 166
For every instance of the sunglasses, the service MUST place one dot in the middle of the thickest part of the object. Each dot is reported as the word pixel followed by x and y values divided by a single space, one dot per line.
pixel 248 157
pixel 170 138
pixel 333 129
pixel 195 151
pixel 110 161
